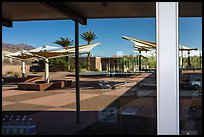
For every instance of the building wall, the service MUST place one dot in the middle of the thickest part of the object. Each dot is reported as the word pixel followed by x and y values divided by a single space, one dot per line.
pixel 96 63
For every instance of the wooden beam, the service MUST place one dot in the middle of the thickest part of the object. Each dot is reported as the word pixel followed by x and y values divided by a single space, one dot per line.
pixel 67 11
pixel 7 23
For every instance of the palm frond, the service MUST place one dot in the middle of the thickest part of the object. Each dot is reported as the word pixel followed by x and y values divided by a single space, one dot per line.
pixel 64 42
pixel 88 36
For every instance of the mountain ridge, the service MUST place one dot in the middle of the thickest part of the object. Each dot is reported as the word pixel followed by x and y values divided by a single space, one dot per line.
pixel 15 47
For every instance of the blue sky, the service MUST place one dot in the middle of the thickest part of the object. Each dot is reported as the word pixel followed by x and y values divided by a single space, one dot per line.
pixel 108 31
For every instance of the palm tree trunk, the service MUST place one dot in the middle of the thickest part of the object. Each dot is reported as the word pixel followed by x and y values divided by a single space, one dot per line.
pixel 68 63
pixel 88 61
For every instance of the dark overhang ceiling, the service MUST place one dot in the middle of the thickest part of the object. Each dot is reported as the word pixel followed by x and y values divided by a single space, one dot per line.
pixel 81 11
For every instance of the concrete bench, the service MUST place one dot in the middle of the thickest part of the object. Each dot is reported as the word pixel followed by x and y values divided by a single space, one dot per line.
pixel 21 79
pixel 41 85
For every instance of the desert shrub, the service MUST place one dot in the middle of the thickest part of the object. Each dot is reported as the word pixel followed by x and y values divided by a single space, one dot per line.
pixel 82 65
pixel 9 73
pixel 94 69
pixel 16 74
pixel 35 72
pixel 83 70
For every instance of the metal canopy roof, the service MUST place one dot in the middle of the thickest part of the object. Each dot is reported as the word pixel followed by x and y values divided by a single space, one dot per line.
pixel 83 49
pixel 184 48
pixel 141 43
pixel 81 11
pixel 144 45
pixel 22 55
pixel 46 51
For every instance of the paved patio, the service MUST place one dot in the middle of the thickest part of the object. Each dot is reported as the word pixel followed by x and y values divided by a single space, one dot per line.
pixel 12 98
pixel 58 106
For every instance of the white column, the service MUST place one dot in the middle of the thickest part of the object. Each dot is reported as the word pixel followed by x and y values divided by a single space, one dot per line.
pixel 23 68
pixel 167 68
pixel 181 60
pixel 46 70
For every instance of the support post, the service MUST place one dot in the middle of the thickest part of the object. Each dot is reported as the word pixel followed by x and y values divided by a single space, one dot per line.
pixel 200 60
pixel 47 70
pixel 109 67
pixel 139 61
pixel 23 68
pixel 167 68
pixel 77 71
pixel 189 60
pixel 181 60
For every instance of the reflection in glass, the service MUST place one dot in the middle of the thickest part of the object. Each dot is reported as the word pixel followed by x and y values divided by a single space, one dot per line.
pixel 190 78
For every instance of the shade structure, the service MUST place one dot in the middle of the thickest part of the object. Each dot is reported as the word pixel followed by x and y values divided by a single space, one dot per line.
pixel 51 54
pixel 141 48
pixel 48 52
pixel 184 48
pixel 21 55
pixel 27 55
pixel 46 55
pixel 87 48
pixel 44 48
pixel 147 45
pixel 143 45
pixel 83 49
pixel 43 52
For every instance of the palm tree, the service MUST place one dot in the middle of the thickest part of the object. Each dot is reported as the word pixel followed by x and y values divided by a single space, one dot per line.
pixel 65 43
pixel 88 36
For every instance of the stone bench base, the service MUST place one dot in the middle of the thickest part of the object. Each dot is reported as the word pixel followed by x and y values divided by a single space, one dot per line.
pixel 21 79
pixel 41 85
